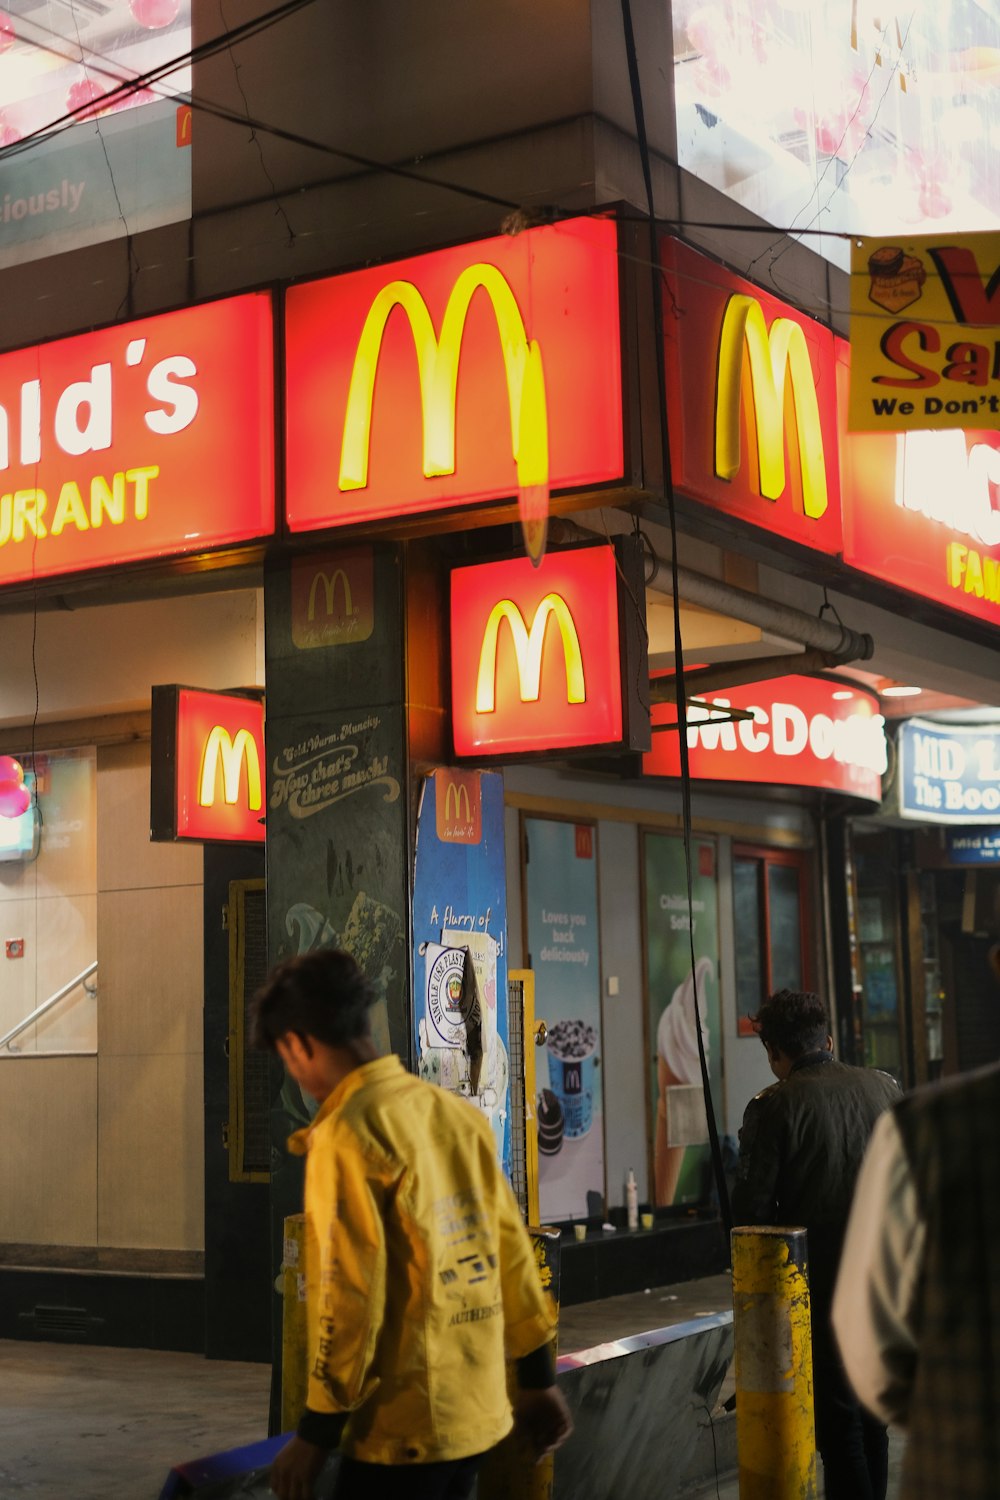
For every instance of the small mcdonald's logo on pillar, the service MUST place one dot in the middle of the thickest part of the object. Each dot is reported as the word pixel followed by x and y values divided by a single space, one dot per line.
pixel 536 664
pixel 584 839
pixel 184 118
pixel 333 598
pixel 459 806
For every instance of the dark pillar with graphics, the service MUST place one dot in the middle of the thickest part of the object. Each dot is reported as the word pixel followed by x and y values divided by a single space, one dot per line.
pixel 337 809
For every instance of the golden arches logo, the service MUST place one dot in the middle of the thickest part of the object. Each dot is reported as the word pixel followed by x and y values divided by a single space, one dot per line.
pixel 528 645
pixel 329 583
pixel 457 806
pixel 220 745
pixel 437 366
pixel 776 357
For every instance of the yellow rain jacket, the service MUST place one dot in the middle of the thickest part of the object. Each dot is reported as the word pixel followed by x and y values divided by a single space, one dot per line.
pixel 420 1274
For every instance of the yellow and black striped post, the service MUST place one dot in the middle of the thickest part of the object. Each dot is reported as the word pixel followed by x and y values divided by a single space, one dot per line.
pixel 294 1338
pixel 775 1433
pixel 510 1471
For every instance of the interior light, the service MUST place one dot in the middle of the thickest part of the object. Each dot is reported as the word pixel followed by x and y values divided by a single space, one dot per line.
pixel 843 693
pixel 900 691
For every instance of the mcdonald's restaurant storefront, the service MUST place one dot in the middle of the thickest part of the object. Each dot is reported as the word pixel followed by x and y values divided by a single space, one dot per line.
pixel 327 681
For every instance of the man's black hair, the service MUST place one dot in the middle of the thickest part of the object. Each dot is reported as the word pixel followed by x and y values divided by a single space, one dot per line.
pixel 793 1021
pixel 322 994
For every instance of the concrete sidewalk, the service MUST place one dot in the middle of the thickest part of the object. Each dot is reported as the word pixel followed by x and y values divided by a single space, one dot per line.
pixel 78 1422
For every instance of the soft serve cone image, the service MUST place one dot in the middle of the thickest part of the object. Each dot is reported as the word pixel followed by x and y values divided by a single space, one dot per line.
pixel 677 1062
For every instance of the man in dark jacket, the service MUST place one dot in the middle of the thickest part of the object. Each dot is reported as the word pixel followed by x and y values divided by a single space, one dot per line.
pixel 801 1147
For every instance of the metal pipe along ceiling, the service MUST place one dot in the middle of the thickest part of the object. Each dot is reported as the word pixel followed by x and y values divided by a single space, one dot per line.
pixel 835 641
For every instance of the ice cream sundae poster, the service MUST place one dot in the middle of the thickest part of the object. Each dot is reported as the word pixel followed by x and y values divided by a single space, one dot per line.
pixel 563 947
pixel 924 310
pixel 460 943
pixel 679 1123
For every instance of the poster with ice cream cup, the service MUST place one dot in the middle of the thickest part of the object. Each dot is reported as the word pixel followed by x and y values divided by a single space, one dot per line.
pixel 680 1154
pixel 563 950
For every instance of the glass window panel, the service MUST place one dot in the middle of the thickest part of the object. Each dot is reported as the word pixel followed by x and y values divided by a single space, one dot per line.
pixel 750 973
pixel 785 907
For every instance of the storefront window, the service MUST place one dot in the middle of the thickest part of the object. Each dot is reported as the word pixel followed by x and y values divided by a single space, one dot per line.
pixel 48 903
pixel 768 916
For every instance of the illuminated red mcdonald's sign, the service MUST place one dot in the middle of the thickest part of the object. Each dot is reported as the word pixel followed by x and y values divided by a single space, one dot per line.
pixel 150 439
pixel 455 377
pixel 752 402
pixel 208 774
pixel 540 656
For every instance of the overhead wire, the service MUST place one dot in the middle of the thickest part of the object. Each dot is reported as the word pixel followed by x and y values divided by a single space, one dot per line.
pixel 635 84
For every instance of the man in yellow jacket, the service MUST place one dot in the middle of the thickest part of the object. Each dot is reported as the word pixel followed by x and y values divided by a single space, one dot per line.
pixel 421 1277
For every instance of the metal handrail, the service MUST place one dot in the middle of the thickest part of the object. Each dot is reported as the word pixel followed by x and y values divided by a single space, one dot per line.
pixel 47 1005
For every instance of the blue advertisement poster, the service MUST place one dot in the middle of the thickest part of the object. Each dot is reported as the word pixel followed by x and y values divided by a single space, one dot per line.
pixel 460 943
pixel 563 946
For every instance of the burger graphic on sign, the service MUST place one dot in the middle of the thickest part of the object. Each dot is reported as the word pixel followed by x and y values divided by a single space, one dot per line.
pixel 897 279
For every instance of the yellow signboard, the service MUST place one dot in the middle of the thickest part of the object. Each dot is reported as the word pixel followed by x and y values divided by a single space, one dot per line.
pixel 925 332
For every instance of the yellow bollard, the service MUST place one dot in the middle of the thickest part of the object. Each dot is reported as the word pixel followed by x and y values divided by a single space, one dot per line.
pixel 294 1338
pixel 775 1433
pixel 510 1471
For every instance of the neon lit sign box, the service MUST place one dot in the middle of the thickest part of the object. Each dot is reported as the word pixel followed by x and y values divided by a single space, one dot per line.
pixel 208 766
pixel 752 400
pixel 130 443
pixel 455 377
pixel 801 735
pixel 542 658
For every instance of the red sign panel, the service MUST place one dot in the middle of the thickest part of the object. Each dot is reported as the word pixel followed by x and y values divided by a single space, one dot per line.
pixel 333 598
pixel 752 402
pixel 459 806
pixel 535 662
pixel 922 512
pixel 146 440
pixel 805 731
pixel 208 766
pixel 459 376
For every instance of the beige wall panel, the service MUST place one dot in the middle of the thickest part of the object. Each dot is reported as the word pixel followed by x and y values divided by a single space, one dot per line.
pixel 151 1153
pixel 210 640
pixel 18 919
pixel 48 1167
pixel 17 881
pixel 60 940
pixel 125 857
pixel 67 864
pixel 151 975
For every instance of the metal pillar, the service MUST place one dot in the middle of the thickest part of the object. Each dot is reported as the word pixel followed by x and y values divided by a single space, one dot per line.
pixel 775 1433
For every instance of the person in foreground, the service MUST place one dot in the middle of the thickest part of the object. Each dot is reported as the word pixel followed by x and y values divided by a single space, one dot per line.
pixel 421 1276
pixel 917 1306
pixel 801 1148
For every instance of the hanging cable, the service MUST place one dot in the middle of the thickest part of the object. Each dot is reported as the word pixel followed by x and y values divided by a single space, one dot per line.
pixel 668 490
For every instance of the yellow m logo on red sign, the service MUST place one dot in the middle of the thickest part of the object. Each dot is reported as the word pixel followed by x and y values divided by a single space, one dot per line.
pixel 528 645
pixel 437 365
pixel 777 357
pixel 232 753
